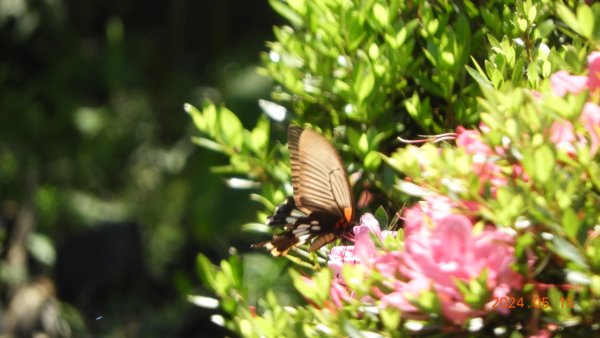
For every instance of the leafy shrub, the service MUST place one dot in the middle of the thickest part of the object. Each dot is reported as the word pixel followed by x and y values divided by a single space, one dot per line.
pixel 503 238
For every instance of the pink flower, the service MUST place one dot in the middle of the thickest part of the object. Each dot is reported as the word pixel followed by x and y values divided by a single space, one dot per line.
pixel 591 121
pixel 447 250
pixel 339 293
pixel 434 207
pixel 562 83
pixel 388 264
pixel 470 140
pixel 483 165
pixel 362 252
pixel 338 256
pixel 594 71
pixel 400 298
pixel 440 248
pixel 363 247
pixel 541 334
pixel 563 136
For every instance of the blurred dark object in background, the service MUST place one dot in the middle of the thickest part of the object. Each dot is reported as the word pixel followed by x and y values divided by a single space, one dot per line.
pixel 90 105
pixel 104 260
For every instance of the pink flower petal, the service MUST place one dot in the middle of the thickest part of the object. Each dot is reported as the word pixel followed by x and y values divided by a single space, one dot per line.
pixel 563 136
pixel 541 334
pixel 338 256
pixel 563 83
pixel 591 121
pixel 470 140
pixel 594 71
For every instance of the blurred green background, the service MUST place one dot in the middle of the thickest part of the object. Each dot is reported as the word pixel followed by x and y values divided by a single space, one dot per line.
pixel 104 201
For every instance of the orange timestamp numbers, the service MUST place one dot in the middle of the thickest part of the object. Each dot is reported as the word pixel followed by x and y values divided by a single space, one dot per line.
pixel 508 302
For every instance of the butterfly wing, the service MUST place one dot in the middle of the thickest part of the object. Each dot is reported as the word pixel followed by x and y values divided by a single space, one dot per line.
pixel 318 176
pixel 322 206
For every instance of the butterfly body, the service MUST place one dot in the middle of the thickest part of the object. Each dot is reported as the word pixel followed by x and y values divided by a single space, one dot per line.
pixel 321 209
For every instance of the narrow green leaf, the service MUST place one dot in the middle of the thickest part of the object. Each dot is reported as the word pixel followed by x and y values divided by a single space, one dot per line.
pixel 298 5
pixel 304 286
pixel 568 17
pixel 256 227
pixel 231 128
pixel 208 144
pixel 206 271
pixel 363 144
pixel 571 223
pixel 260 137
pixel 381 14
pixel 365 85
pixel 565 249
pixel 286 12
pixel 478 75
pixel 585 19
pixel 544 161
pixel 381 217
pixel 531 15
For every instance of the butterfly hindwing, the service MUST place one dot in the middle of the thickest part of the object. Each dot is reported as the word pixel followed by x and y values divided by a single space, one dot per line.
pixel 293 227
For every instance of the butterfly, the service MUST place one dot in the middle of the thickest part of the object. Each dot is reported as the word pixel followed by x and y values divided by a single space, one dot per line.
pixel 322 208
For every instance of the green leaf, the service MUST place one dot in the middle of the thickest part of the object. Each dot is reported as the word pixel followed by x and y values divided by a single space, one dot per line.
pixel 531 14
pixel 316 288
pixel 565 249
pixel 260 137
pixel 363 144
pixel 287 12
pixel 365 85
pixel 381 14
pixel 390 318
pixel 41 248
pixel 546 27
pixel 206 271
pixel 208 144
pixel 478 76
pixel 372 161
pixel 231 128
pixel 448 59
pixel 381 217
pixel 595 285
pixel 522 24
pixel 373 51
pixel 298 5
pixel 257 227
pixel 585 19
pixel 571 223
pixel 236 269
pixel 356 32
pixel 567 16
pixel 517 75
pixel 209 114
pixel 593 253
pixel 323 283
pixel 543 161
pixel 354 138
pixel 301 285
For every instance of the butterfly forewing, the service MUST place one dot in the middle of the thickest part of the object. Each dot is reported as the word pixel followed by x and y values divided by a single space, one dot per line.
pixel 318 176
pixel 322 207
